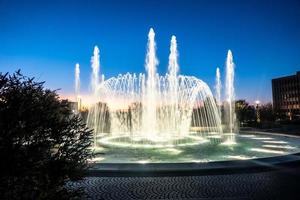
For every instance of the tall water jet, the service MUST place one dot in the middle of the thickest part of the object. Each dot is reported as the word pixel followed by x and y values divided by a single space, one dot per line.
pixel 173 66
pixel 77 86
pixel 218 87
pixel 229 92
pixel 149 106
pixel 149 110
pixel 93 116
pixel 95 61
pixel 173 69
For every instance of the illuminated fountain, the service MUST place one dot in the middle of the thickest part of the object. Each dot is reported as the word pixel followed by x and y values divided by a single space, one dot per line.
pixel 229 106
pixel 230 97
pixel 77 86
pixel 149 110
pixel 171 118
pixel 218 87
pixel 77 80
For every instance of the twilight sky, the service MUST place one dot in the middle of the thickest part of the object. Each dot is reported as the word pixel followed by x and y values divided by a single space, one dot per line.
pixel 46 38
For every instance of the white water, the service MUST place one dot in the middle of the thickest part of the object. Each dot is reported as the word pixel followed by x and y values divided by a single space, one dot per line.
pixel 229 92
pixel 77 81
pixel 150 94
pixel 95 61
pixel 152 109
pixel 173 69
pixel 93 118
pixel 218 88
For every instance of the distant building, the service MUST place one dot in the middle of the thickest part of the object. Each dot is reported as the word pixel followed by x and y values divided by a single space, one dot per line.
pixel 75 106
pixel 286 95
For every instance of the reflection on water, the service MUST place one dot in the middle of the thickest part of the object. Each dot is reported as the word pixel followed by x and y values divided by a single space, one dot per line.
pixel 247 147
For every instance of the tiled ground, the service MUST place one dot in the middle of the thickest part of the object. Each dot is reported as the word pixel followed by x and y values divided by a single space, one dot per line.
pixel 263 185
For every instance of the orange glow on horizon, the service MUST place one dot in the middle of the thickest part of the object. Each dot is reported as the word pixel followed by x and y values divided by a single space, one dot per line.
pixel 86 100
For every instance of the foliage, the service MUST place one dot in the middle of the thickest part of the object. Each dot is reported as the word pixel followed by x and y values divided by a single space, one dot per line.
pixel 42 144
pixel 245 113
pixel 266 113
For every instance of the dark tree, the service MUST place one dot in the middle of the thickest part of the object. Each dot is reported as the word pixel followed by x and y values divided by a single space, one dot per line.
pixel 245 113
pixel 42 144
pixel 267 113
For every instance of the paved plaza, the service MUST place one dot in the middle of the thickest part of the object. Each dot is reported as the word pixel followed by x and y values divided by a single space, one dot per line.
pixel 258 185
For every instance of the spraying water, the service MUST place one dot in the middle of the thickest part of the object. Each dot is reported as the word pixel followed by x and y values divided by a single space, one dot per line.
pixel 229 92
pixel 148 110
pixel 173 59
pixel 77 85
pixel 95 60
pixel 77 80
pixel 151 87
pixel 102 78
pixel 218 87
pixel 173 68
pixel 93 118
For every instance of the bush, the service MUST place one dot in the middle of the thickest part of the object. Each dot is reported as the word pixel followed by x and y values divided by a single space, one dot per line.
pixel 42 144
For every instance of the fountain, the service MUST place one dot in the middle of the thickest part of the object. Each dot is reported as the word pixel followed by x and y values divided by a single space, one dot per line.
pixel 150 110
pixel 149 95
pixel 77 86
pixel 95 73
pixel 218 87
pixel 230 97
pixel 229 105
pixel 172 118
pixel 77 80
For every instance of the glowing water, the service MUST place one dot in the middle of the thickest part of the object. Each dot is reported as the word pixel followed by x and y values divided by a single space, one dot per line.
pixel 93 117
pixel 173 68
pixel 229 92
pixel 77 80
pixel 150 94
pixel 152 110
pixel 229 105
pixel 95 70
pixel 218 87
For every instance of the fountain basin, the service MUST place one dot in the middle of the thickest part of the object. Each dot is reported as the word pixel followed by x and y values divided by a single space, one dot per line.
pixel 252 151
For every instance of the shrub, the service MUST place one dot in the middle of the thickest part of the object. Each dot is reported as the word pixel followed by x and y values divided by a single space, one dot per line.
pixel 42 144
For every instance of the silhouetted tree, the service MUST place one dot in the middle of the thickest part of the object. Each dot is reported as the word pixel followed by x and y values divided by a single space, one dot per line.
pixel 267 113
pixel 42 144
pixel 245 113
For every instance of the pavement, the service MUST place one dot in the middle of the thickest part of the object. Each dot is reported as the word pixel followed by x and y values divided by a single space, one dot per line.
pixel 281 183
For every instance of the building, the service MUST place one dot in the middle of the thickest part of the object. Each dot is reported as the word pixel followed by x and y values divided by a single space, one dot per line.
pixel 75 106
pixel 286 95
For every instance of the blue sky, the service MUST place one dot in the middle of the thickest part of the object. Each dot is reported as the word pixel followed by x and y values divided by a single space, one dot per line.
pixel 46 38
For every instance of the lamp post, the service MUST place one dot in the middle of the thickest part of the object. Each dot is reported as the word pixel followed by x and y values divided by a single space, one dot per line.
pixel 257 102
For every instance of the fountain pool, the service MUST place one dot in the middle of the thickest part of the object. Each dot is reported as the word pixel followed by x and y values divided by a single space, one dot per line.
pixel 248 146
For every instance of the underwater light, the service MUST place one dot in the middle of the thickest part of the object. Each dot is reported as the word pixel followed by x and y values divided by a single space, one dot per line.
pixel 240 157
pixel 275 142
pixel 278 146
pixel 266 150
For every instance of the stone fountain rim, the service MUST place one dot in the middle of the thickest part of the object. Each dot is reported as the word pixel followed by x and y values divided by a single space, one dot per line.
pixel 193 168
